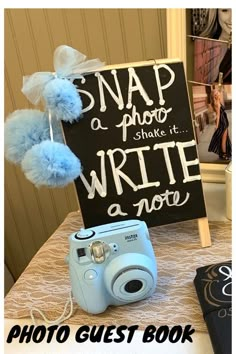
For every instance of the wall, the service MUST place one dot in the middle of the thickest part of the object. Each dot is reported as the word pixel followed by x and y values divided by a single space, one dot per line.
pixel 31 36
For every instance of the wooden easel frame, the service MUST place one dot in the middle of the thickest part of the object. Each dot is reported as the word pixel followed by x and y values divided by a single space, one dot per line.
pixel 204 232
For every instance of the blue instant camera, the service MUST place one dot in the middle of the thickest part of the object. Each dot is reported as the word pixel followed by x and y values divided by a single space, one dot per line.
pixel 112 264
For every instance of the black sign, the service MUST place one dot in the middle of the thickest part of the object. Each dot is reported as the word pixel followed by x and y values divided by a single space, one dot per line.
pixel 137 147
pixel 213 284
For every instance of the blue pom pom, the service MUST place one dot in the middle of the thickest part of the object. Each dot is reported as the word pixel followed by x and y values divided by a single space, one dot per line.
pixel 25 128
pixel 51 164
pixel 62 98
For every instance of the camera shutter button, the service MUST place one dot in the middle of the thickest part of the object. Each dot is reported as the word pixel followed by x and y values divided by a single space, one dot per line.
pixel 90 274
pixel 84 234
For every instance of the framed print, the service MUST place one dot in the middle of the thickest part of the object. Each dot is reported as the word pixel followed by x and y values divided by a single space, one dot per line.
pixel 212 57
pixel 213 134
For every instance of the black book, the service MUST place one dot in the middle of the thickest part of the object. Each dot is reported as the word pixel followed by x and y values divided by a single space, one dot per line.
pixel 213 285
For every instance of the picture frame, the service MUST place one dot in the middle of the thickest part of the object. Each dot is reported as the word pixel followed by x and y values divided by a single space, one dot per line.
pixel 205 122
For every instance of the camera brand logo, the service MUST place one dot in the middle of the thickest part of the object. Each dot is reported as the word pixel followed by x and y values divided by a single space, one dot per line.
pixel 129 238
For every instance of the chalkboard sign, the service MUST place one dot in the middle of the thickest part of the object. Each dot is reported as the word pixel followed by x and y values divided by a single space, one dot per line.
pixel 136 145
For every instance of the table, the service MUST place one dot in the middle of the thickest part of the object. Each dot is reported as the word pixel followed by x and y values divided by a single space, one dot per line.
pixel 45 284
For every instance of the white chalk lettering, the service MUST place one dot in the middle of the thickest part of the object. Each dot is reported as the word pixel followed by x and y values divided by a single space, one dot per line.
pixel 137 87
pixel 118 157
pixel 142 166
pixel 168 84
pixel 134 85
pixel 165 147
pixel 114 210
pixel 174 129
pixel 159 200
pixel 161 114
pixel 117 173
pixel 147 118
pixel 142 134
pixel 185 164
pixel 96 184
pixel 92 101
pixel 96 124
pixel 117 98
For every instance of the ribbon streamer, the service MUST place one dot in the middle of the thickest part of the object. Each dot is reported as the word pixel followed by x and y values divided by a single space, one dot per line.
pixel 68 64
pixel 50 125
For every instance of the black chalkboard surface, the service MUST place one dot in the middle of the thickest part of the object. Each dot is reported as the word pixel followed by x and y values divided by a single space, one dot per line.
pixel 136 145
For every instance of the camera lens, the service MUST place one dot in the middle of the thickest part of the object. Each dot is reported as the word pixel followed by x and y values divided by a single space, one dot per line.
pixel 133 286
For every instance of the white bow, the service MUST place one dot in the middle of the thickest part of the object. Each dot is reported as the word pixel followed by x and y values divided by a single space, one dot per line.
pixel 68 63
